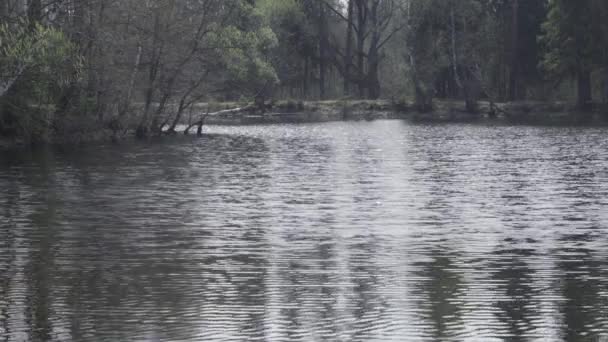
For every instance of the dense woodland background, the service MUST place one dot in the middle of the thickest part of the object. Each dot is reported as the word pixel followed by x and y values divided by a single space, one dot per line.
pixel 72 67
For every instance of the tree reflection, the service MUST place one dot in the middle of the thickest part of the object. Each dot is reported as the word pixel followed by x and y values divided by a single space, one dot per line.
pixel 251 288
pixel 105 260
pixel 440 289
pixel 369 305
pixel 30 210
pixel 328 293
pixel 307 290
pixel 515 279
pixel 581 284
pixel 10 208
pixel 294 296
pixel 39 272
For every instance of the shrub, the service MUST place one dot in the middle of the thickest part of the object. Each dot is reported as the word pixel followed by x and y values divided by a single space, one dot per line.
pixel 36 64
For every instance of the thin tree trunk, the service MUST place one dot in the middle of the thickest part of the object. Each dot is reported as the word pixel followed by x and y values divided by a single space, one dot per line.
pixel 469 93
pixel 178 116
pixel 605 73
pixel 34 12
pixel 373 84
pixel 423 99
pixel 584 90
pixel 3 9
pixel 361 25
pixel 513 81
pixel 154 125
pixel 183 105
pixel 142 129
pixel 322 49
pixel 5 86
pixel 453 38
pixel 127 102
pixel 306 73
pixel 78 27
pixel 348 57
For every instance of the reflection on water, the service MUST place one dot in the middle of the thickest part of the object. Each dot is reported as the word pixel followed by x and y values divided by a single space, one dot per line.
pixel 379 231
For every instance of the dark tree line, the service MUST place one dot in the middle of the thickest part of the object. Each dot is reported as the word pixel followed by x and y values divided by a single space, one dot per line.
pixel 71 67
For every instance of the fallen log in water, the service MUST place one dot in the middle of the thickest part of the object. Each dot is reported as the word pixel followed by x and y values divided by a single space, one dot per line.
pixel 201 121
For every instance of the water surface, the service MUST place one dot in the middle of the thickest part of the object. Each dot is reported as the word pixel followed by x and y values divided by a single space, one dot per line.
pixel 382 231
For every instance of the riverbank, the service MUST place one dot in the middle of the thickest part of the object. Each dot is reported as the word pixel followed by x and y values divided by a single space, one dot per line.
pixel 524 113
pixel 529 112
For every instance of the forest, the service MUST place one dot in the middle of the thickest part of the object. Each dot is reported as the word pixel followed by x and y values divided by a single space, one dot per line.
pixel 74 68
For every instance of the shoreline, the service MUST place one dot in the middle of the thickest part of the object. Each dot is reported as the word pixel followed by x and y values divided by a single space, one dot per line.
pixel 297 112
pixel 444 111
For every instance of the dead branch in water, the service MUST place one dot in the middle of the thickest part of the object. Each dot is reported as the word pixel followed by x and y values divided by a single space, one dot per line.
pixel 249 108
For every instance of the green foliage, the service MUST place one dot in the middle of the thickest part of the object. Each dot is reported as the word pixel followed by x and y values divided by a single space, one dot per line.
pixel 244 52
pixel 36 63
pixel 172 54
pixel 44 53
pixel 296 31
pixel 276 10
pixel 567 37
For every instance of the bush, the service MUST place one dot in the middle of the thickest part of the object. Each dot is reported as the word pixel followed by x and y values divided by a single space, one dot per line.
pixel 36 64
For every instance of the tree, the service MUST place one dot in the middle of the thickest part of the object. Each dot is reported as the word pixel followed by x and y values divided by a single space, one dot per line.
pixel 193 47
pixel 421 51
pixel 600 37
pixel 35 61
pixel 569 44
pixel 373 25
pixel 514 77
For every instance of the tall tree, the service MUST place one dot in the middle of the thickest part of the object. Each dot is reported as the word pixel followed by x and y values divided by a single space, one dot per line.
pixel 323 41
pixel 34 11
pixel 513 82
pixel 373 24
pixel 568 38
pixel 348 55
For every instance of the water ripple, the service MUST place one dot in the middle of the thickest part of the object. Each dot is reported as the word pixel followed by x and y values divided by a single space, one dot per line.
pixel 380 231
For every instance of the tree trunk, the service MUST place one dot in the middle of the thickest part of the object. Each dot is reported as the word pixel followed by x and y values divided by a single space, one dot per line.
pixel 5 86
pixel 85 29
pixel 3 10
pixel 127 102
pixel 143 127
pixel 180 110
pixel 373 84
pixel 513 79
pixel 97 67
pixel 423 98
pixel 468 86
pixel 361 35
pixel 348 57
pixel 155 124
pixel 199 130
pixel 177 118
pixel 584 90
pixel 11 104
pixel 34 12
pixel 322 49
pixel 453 41
pixel 306 89
pixel 78 27
pixel 472 90
pixel 605 92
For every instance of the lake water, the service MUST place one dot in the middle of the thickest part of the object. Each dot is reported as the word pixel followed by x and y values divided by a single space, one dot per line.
pixel 371 231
